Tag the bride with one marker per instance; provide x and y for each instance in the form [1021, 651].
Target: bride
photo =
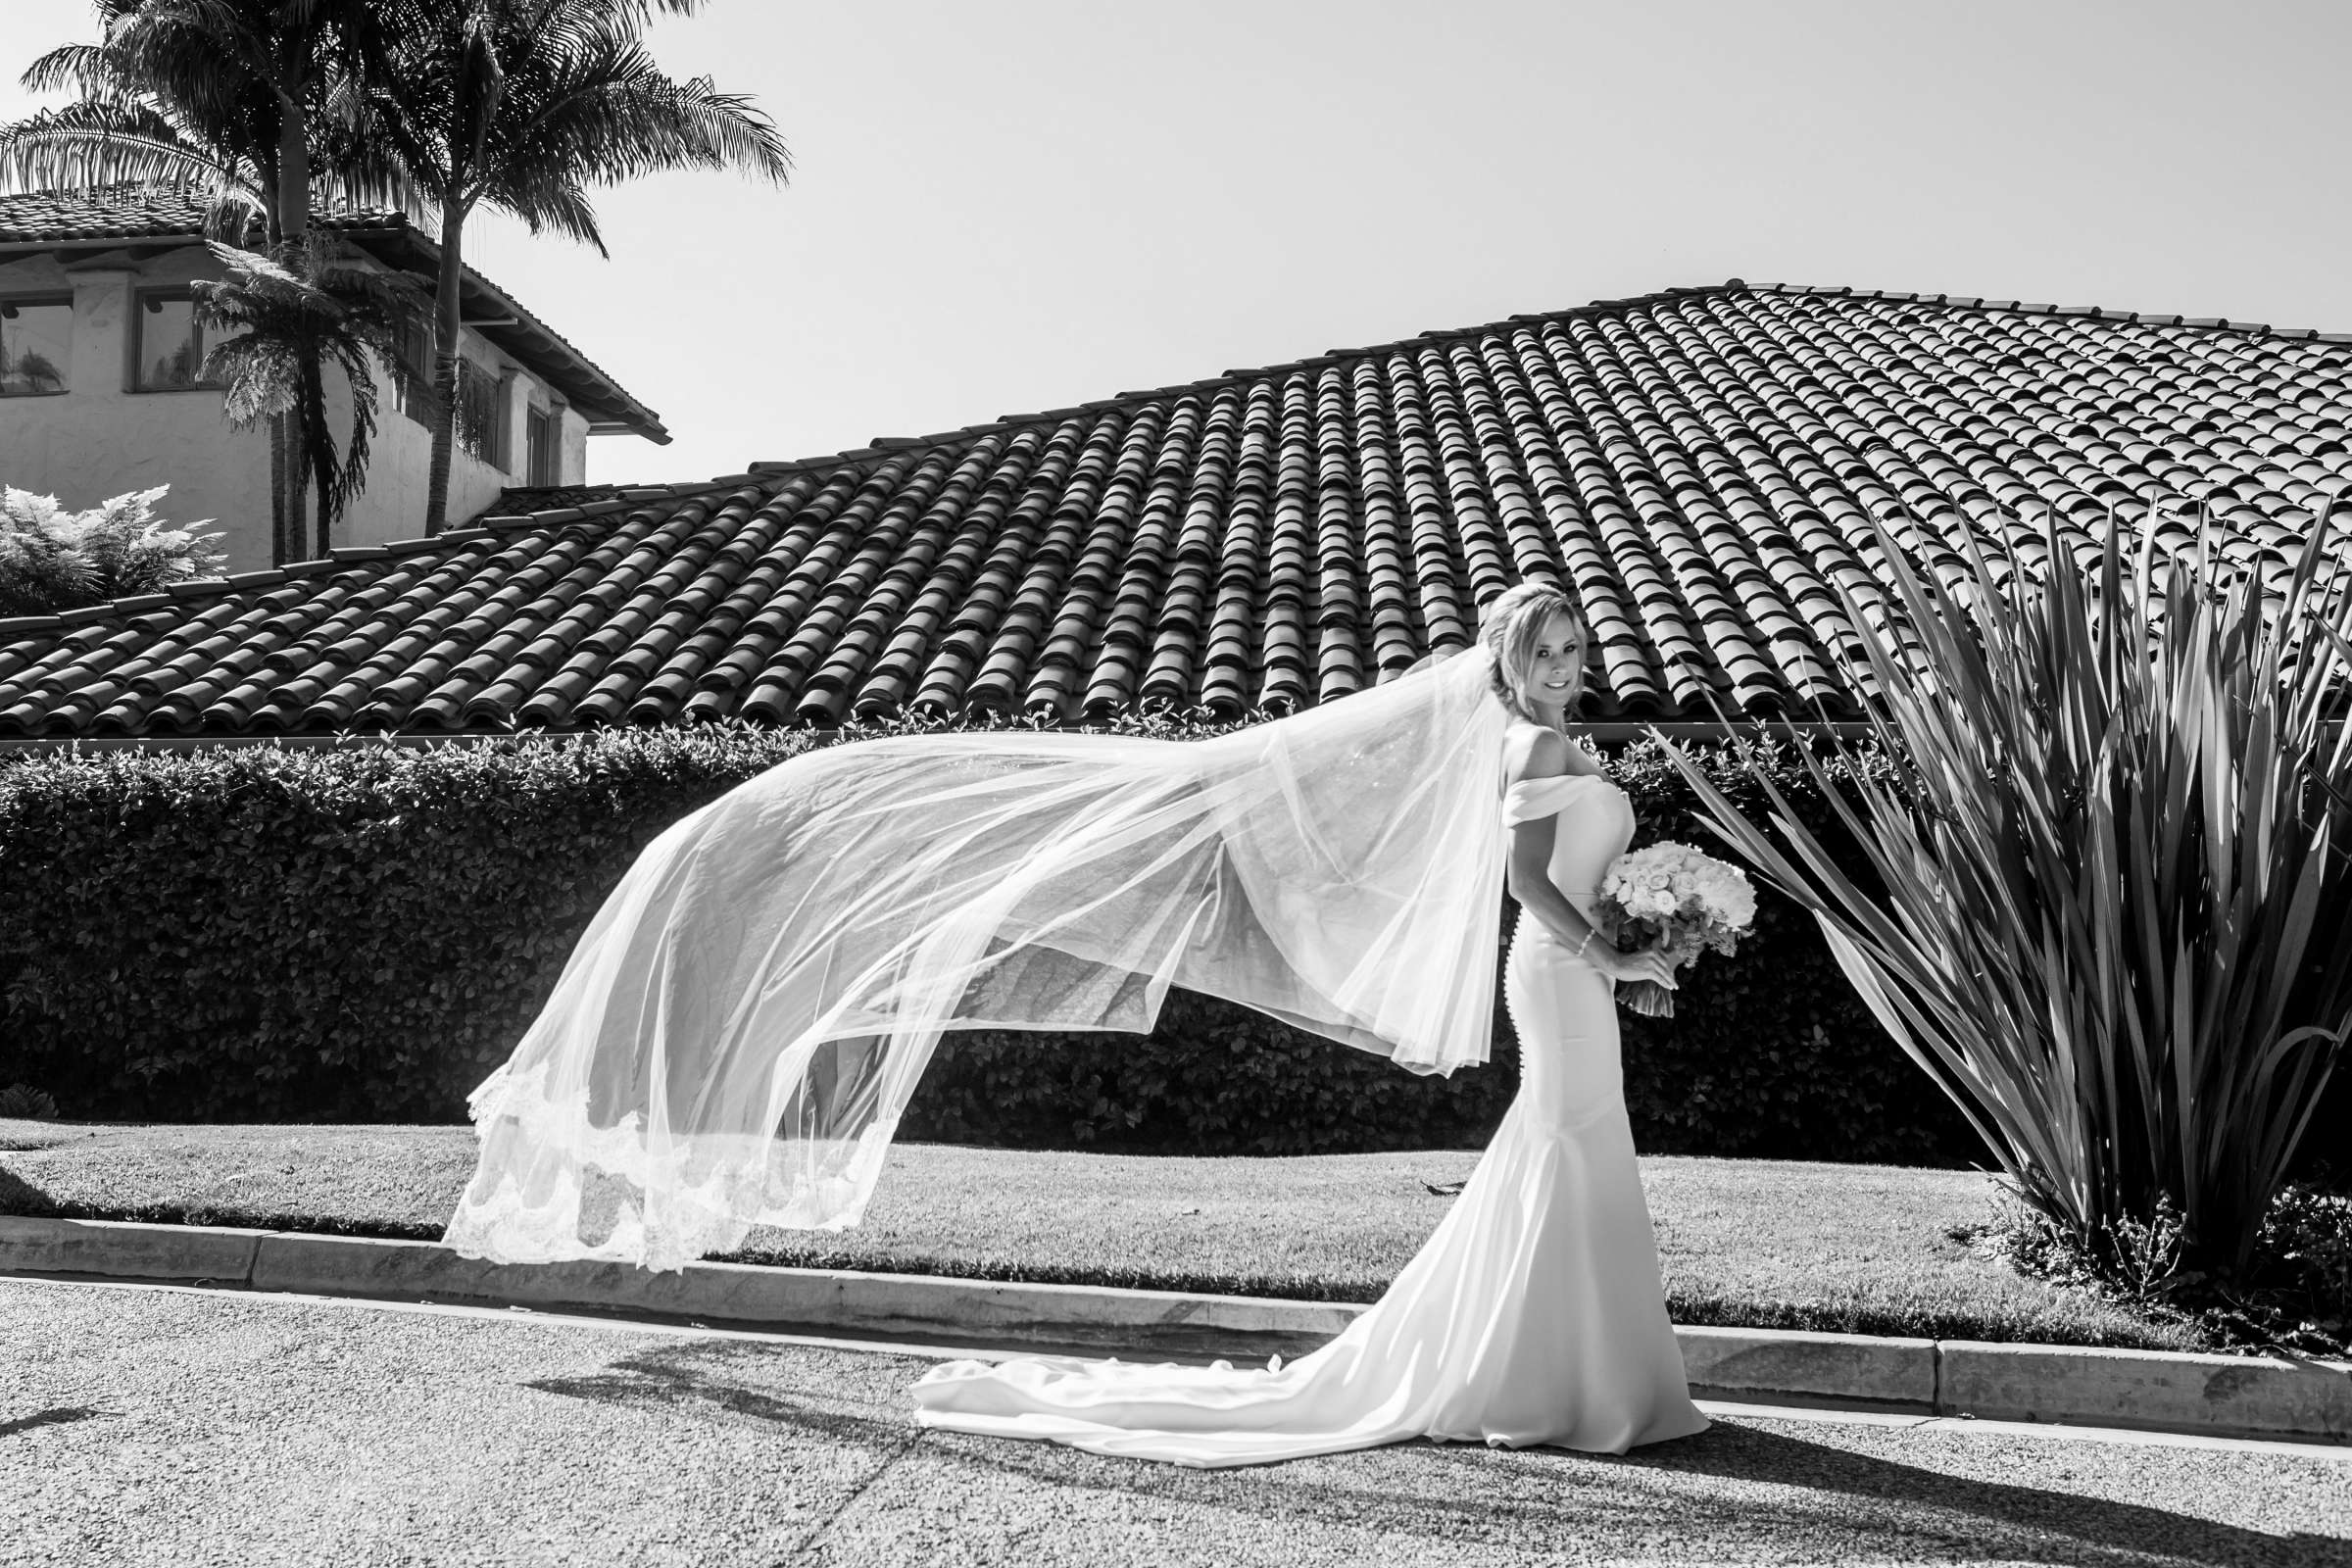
[737, 1033]
[1534, 1314]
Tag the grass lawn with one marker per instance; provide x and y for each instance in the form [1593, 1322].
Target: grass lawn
[1856, 1249]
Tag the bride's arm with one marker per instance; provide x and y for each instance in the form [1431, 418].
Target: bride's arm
[1546, 754]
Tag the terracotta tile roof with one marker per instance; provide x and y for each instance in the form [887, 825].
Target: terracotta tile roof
[40, 220]
[54, 217]
[1700, 465]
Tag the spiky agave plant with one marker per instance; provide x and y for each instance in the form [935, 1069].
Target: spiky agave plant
[2113, 905]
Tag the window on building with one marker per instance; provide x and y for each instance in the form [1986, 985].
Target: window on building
[36, 339]
[482, 414]
[413, 372]
[479, 425]
[543, 435]
[171, 342]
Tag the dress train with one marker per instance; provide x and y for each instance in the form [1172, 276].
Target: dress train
[1533, 1314]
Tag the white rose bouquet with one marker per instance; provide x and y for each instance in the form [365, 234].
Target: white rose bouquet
[1683, 902]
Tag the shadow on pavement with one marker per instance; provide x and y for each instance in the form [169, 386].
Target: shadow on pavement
[1734, 1481]
[60, 1416]
[1969, 1517]
[658, 1379]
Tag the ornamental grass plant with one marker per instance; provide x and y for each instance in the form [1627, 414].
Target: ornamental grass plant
[2107, 904]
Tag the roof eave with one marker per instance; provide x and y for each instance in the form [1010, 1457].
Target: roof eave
[608, 407]
[598, 396]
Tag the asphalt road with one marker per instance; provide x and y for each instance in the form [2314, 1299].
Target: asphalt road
[146, 1426]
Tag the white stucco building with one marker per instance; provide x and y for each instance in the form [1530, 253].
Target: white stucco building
[99, 348]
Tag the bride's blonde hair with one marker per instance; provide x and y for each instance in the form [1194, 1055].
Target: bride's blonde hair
[1511, 625]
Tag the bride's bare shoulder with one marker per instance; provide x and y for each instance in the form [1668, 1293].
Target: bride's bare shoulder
[1535, 750]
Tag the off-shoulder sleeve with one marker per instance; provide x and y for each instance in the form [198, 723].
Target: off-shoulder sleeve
[1532, 798]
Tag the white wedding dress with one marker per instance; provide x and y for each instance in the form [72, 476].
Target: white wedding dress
[1533, 1314]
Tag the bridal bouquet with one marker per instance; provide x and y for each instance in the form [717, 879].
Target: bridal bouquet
[1669, 895]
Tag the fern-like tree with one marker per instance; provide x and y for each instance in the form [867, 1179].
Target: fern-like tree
[252, 105]
[53, 560]
[524, 106]
[305, 306]
[2107, 902]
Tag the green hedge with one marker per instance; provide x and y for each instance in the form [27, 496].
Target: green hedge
[360, 932]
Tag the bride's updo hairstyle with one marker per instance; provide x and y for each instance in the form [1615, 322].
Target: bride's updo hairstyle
[1511, 627]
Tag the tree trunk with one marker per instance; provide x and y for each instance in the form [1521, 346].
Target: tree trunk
[280, 550]
[320, 451]
[293, 171]
[298, 464]
[445, 366]
[293, 222]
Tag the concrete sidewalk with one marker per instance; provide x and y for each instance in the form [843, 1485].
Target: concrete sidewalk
[2261, 1396]
[159, 1426]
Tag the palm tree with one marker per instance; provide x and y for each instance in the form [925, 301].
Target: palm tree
[524, 105]
[235, 100]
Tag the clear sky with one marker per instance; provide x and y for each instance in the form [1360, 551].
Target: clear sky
[1014, 205]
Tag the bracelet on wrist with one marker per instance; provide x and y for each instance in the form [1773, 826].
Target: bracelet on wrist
[1582, 946]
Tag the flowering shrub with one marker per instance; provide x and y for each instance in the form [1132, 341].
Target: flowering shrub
[2294, 1296]
[362, 933]
[26, 1104]
[2309, 1232]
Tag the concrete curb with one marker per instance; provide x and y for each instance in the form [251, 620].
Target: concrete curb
[839, 1301]
[2261, 1396]
[127, 1251]
[2244, 1396]
[1760, 1366]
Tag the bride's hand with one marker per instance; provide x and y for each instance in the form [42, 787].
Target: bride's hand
[1623, 967]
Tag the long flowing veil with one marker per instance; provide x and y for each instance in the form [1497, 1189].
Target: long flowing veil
[736, 1035]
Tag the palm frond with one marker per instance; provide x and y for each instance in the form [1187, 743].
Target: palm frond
[71, 67]
[83, 147]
